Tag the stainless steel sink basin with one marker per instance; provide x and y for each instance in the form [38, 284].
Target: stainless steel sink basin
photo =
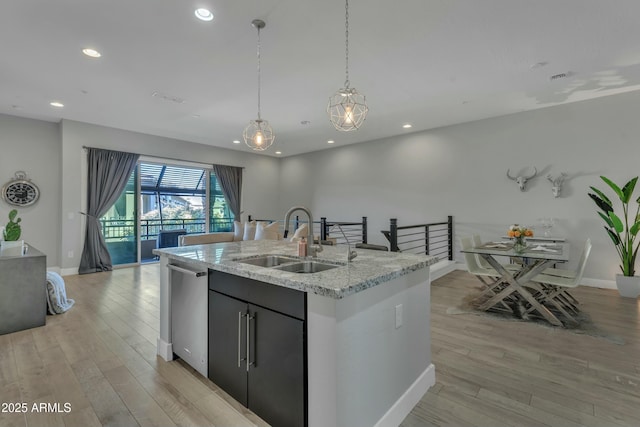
[306, 267]
[267, 260]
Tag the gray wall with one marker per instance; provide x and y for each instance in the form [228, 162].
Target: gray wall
[52, 155]
[460, 171]
[33, 146]
[260, 178]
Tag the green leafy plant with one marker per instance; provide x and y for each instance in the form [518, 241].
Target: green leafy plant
[622, 230]
[13, 229]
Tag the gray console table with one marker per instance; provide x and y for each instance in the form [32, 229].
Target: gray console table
[23, 297]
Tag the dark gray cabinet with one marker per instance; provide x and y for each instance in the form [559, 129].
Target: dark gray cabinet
[23, 291]
[257, 347]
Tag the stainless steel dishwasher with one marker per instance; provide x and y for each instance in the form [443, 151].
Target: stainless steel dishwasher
[189, 305]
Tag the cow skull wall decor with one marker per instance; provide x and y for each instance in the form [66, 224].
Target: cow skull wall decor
[521, 180]
[556, 184]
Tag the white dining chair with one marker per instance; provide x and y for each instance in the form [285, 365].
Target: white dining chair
[557, 282]
[477, 241]
[488, 276]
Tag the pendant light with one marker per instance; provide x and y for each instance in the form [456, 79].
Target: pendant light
[258, 134]
[347, 108]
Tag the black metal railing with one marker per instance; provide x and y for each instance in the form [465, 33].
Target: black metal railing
[356, 232]
[122, 229]
[435, 239]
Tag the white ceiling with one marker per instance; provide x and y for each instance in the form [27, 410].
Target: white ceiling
[430, 63]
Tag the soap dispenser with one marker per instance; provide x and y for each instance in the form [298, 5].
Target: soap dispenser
[302, 247]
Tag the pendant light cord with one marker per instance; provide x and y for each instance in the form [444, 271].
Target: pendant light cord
[346, 43]
[259, 118]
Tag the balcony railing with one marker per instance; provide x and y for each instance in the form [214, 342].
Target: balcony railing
[119, 229]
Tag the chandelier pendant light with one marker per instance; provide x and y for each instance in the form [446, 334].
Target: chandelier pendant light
[347, 107]
[258, 135]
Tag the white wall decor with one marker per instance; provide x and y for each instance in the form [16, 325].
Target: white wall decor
[556, 183]
[521, 180]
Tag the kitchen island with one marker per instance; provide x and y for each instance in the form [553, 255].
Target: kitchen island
[367, 358]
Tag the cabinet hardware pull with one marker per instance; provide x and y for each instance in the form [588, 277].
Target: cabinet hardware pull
[186, 271]
[240, 316]
[249, 319]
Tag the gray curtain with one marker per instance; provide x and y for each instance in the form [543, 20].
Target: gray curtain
[230, 179]
[108, 174]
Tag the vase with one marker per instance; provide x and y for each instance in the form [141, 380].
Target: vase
[628, 286]
[519, 244]
[12, 248]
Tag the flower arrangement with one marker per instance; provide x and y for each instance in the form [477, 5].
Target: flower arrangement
[518, 233]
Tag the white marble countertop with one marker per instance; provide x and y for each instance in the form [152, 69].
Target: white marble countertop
[370, 268]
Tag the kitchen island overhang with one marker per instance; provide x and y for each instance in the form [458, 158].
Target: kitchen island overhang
[368, 339]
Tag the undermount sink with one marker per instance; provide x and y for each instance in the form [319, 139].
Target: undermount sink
[306, 267]
[267, 260]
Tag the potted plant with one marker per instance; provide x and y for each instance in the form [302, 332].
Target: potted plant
[623, 231]
[11, 233]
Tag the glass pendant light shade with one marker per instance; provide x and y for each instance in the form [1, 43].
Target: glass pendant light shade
[258, 135]
[347, 109]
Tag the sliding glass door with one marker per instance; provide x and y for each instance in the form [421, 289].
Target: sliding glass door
[162, 200]
[119, 225]
[220, 217]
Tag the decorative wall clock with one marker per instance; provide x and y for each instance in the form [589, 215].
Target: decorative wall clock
[20, 191]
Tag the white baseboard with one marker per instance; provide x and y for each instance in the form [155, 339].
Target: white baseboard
[442, 268]
[68, 271]
[586, 281]
[165, 350]
[409, 399]
[55, 269]
[599, 283]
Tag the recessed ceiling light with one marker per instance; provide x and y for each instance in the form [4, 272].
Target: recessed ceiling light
[56, 104]
[204, 14]
[91, 52]
[331, 141]
[278, 152]
[236, 142]
[407, 125]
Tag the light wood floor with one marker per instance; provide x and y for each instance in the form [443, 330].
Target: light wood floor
[101, 358]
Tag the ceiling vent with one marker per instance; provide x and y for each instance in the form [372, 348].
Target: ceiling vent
[560, 76]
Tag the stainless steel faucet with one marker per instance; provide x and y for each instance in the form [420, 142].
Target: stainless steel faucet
[350, 254]
[312, 249]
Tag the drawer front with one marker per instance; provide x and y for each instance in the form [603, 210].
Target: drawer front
[283, 300]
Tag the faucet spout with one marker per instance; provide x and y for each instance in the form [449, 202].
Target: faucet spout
[311, 248]
[350, 254]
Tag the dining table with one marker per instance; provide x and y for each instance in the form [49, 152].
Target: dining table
[512, 283]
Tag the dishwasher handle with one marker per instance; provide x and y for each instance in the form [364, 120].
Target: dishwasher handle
[186, 271]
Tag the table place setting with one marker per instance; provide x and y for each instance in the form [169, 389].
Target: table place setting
[497, 245]
[545, 248]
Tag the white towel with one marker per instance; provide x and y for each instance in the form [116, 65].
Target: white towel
[57, 300]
